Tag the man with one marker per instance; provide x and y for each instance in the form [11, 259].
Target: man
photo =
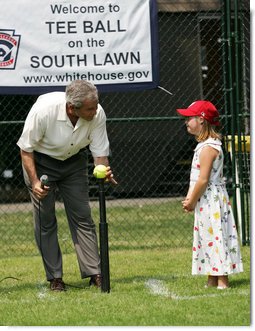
[57, 130]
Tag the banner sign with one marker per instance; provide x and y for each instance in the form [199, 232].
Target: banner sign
[44, 45]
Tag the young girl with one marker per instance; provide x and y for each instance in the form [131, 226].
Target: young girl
[216, 250]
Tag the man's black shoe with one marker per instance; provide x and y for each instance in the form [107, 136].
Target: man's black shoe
[95, 280]
[57, 284]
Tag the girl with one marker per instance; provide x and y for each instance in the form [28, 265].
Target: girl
[216, 250]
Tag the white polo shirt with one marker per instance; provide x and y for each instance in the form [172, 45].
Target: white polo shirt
[48, 130]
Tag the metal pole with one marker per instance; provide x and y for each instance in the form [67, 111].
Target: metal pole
[239, 118]
[231, 100]
[103, 233]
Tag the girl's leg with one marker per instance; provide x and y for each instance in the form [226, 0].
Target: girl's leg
[212, 281]
[223, 282]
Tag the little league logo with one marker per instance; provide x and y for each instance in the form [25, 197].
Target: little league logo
[9, 46]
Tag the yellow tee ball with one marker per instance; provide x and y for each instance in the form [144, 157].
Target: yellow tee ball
[100, 171]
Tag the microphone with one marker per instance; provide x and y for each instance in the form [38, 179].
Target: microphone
[44, 180]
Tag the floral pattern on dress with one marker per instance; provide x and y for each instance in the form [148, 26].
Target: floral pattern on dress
[216, 249]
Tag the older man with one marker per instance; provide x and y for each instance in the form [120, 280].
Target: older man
[57, 131]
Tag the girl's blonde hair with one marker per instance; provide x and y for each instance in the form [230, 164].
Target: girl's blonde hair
[208, 131]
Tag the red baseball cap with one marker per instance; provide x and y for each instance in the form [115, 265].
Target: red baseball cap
[204, 109]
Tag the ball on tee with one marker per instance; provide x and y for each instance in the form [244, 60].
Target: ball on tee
[100, 171]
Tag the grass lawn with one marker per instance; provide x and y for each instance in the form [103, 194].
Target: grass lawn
[149, 287]
[139, 224]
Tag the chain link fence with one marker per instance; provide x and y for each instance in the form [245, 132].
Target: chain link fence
[204, 54]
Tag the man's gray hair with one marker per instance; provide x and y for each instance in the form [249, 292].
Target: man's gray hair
[80, 90]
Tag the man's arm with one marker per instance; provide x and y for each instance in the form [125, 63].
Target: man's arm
[104, 160]
[101, 160]
[29, 165]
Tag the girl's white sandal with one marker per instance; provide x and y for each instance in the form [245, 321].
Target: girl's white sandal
[222, 287]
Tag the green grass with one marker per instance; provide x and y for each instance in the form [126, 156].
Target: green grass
[150, 264]
[149, 287]
[146, 224]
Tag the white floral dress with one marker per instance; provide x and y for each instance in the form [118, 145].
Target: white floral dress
[216, 249]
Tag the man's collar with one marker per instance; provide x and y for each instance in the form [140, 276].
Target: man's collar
[62, 115]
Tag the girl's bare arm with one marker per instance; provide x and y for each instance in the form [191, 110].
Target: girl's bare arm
[207, 157]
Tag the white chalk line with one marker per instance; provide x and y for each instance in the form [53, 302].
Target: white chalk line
[42, 294]
[157, 287]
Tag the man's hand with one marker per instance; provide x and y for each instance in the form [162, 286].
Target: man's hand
[39, 191]
[109, 176]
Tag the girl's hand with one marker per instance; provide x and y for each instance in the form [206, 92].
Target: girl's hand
[187, 205]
